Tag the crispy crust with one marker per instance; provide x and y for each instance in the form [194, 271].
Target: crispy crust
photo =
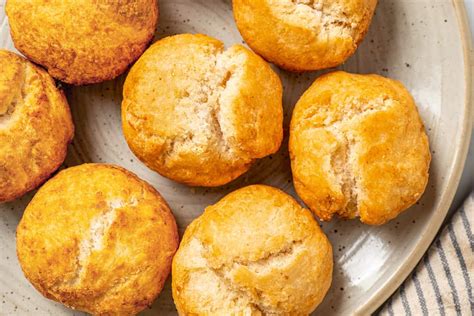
[82, 42]
[35, 126]
[98, 239]
[255, 252]
[199, 114]
[304, 35]
[358, 148]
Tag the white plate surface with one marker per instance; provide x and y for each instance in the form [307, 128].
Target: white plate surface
[419, 42]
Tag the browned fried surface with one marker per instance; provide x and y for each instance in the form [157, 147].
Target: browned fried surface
[199, 114]
[35, 126]
[358, 148]
[255, 252]
[98, 239]
[302, 35]
[85, 41]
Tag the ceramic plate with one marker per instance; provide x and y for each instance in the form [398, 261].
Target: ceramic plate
[422, 43]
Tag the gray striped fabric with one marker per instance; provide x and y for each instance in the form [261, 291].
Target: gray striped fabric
[442, 282]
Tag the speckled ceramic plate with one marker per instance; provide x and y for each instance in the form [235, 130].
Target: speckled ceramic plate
[422, 43]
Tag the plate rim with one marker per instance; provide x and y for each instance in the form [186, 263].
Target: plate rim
[391, 284]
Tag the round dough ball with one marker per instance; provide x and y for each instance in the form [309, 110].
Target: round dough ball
[82, 42]
[35, 126]
[304, 35]
[255, 252]
[358, 148]
[98, 239]
[199, 114]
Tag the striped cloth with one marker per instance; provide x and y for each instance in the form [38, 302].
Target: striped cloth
[442, 282]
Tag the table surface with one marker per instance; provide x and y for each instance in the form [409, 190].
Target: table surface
[467, 181]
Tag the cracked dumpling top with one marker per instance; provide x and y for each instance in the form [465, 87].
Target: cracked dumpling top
[82, 42]
[255, 252]
[199, 114]
[358, 148]
[35, 126]
[304, 35]
[98, 239]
